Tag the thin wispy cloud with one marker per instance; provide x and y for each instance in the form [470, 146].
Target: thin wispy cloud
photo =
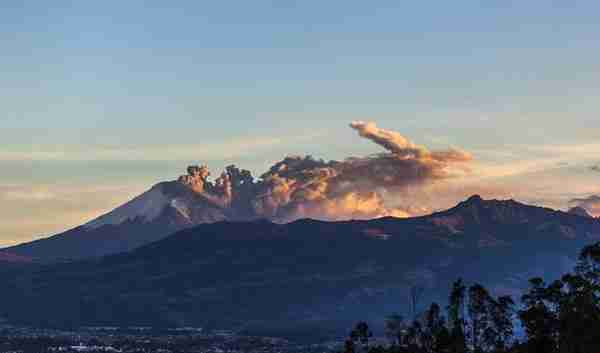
[234, 148]
[23, 193]
[34, 211]
[526, 159]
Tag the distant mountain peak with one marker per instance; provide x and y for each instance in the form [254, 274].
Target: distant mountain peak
[475, 199]
[580, 211]
[479, 202]
[476, 210]
[147, 207]
[474, 203]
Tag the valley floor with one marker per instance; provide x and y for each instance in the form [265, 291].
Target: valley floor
[139, 339]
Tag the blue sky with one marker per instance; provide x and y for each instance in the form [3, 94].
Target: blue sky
[114, 96]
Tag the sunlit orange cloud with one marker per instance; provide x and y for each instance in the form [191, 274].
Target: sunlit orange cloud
[352, 188]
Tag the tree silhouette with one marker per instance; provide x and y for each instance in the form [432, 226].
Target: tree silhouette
[416, 292]
[361, 334]
[479, 301]
[560, 317]
[394, 327]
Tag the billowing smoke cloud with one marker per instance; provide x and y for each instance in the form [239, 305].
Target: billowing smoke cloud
[590, 204]
[356, 188]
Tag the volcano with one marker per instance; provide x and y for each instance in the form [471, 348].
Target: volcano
[291, 189]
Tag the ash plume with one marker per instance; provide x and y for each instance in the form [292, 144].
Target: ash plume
[355, 188]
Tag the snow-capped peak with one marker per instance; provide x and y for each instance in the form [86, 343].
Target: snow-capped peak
[146, 206]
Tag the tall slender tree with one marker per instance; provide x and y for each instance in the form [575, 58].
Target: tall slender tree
[500, 327]
[394, 327]
[538, 319]
[415, 294]
[456, 318]
[361, 334]
[479, 299]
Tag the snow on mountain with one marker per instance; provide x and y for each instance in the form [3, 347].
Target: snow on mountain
[182, 208]
[147, 206]
[166, 203]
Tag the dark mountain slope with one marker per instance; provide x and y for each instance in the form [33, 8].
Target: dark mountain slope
[164, 209]
[265, 276]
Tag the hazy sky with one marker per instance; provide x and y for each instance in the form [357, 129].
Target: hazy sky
[101, 99]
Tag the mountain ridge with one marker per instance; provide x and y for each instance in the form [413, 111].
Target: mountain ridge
[117, 231]
[260, 275]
